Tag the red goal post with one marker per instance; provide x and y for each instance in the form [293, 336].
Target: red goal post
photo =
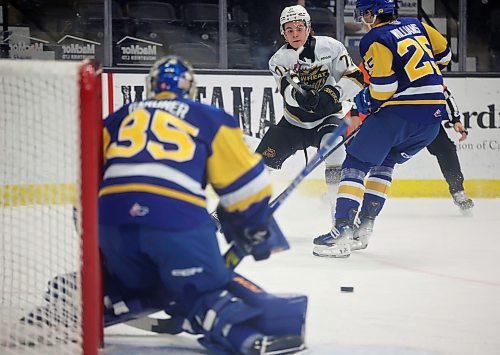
[50, 155]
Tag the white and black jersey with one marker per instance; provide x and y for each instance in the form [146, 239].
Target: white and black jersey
[323, 61]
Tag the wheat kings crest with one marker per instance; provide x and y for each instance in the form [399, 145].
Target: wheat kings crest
[323, 61]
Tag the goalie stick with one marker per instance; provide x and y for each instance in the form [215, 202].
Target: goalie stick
[234, 255]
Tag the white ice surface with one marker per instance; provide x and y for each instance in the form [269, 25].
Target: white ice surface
[429, 283]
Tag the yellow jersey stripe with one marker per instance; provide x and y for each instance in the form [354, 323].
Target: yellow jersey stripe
[414, 102]
[157, 190]
[243, 204]
[381, 95]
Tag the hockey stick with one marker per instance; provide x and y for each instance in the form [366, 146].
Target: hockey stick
[314, 164]
[234, 255]
[294, 84]
[323, 153]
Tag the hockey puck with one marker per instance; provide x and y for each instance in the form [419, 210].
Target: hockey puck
[346, 289]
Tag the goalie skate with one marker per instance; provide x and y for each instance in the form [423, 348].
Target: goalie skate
[274, 345]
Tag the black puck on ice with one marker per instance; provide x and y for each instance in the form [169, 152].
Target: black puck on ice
[346, 289]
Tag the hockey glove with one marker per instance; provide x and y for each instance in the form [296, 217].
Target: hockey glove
[308, 99]
[329, 101]
[363, 100]
[250, 240]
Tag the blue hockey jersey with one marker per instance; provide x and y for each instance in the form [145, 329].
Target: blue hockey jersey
[403, 58]
[159, 156]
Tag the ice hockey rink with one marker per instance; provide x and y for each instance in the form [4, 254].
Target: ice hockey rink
[429, 283]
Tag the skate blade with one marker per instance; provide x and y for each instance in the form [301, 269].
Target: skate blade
[332, 251]
[359, 246]
[339, 256]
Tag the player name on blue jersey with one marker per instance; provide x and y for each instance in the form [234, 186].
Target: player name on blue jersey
[406, 30]
[177, 108]
[161, 153]
[404, 59]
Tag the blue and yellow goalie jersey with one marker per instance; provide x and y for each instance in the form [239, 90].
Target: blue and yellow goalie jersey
[403, 58]
[159, 156]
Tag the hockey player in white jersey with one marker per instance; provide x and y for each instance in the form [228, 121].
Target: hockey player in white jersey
[327, 76]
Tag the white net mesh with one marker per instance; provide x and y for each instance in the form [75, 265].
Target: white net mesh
[40, 248]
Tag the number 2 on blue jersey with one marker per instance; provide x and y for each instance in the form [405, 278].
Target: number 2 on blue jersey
[416, 67]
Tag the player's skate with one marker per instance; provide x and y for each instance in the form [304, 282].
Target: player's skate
[337, 242]
[363, 227]
[362, 232]
[463, 202]
[277, 345]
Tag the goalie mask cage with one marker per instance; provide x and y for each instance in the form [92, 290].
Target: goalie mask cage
[50, 147]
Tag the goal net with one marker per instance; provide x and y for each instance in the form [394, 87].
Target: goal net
[50, 114]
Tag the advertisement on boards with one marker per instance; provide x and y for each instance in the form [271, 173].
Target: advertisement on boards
[254, 101]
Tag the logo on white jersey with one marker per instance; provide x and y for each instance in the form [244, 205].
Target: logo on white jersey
[315, 76]
[138, 211]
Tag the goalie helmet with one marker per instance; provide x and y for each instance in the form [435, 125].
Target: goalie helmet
[171, 74]
[377, 7]
[294, 13]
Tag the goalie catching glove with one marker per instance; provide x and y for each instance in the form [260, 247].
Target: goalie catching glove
[324, 102]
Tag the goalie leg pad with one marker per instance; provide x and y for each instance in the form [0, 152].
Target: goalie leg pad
[122, 304]
[223, 320]
[281, 314]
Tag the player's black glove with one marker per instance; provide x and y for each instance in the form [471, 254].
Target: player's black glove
[308, 99]
[329, 101]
